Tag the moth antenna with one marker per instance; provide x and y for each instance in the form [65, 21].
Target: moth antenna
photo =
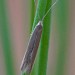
[49, 9]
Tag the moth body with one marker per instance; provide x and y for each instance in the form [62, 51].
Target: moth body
[29, 57]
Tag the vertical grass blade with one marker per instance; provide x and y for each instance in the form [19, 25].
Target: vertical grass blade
[42, 8]
[5, 33]
[32, 13]
[43, 54]
[62, 27]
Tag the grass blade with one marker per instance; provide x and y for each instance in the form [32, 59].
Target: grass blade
[42, 56]
[62, 28]
[6, 39]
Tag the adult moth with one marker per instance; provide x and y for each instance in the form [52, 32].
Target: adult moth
[30, 54]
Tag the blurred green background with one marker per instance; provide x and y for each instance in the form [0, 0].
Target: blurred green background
[15, 21]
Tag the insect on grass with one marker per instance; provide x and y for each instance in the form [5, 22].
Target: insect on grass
[29, 57]
[30, 54]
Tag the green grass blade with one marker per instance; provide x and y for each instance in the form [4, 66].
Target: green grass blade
[40, 66]
[6, 39]
[32, 13]
[43, 54]
[41, 6]
[62, 21]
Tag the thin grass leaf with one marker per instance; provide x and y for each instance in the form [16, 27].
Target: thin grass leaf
[41, 6]
[6, 41]
[43, 54]
[62, 28]
[32, 13]
[40, 66]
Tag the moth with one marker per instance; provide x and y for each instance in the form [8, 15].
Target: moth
[29, 57]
